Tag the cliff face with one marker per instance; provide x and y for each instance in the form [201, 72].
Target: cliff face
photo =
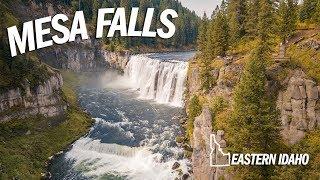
[45, 99]
[201, 146]
[298, 102]
[299, 106]
[84, 56]
[226, 78]
[116, 60]
[201, 149]
[78, 56]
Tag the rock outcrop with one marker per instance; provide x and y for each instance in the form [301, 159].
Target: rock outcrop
[201, 148]
[225, 78]
[84, 55]
[299, 105]
[117, 60]
[45, 99]
[219, 156]
[78, 56]
[310, 44]
[194, 81]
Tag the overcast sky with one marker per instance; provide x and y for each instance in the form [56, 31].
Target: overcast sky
[200, 6]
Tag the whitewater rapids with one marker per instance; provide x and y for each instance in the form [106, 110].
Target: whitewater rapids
[131, 138]
[96, 159]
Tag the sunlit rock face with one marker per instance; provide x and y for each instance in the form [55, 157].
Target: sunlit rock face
[78, 56]
[202, 152]
[45, 99]
[299, 106]
[116, 60]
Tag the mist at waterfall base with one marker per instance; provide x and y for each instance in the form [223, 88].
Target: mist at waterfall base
[136, 122]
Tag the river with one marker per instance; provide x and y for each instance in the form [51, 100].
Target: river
[136, 123]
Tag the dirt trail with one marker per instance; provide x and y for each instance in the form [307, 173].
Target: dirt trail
[301, 35]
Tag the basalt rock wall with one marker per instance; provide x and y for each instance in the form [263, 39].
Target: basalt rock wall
[45, 99]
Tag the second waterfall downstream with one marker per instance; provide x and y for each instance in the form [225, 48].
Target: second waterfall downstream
[136, 123]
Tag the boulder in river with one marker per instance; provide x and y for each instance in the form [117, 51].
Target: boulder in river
[175, 165]
[185, 176]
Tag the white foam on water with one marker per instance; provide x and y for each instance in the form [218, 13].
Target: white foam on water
[154, 79]
[130, 162]
[117, 125]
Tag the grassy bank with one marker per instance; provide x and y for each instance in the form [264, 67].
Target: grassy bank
[26, 144]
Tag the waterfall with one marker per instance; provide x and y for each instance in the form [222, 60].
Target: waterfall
[131, 139]
[159, 80]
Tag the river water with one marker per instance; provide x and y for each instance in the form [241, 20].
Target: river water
[136, 123]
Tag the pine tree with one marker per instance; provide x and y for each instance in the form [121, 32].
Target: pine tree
[316, 15]
[252, 18]
[210, 46]
[266, 22]
[237, 14]
[126, 41]
[95, 6]
[208, 54]
[288, 19]
[254, 122]
[308, 9]
[194, 110]
[202, 36]
[292, 14]
[217, 36]
[220, 34]
[216, 43]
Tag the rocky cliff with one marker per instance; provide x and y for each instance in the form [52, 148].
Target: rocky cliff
[45, 99]
[116, 60]
[226, 78]
[299, 104]
[297, 98]
[203, 153]
[78, 56]
[84, 56]
[201, 146]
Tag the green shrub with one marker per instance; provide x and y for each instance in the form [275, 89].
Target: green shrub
[26, 144]
[217, 105]
[310, 145]
[307, 59]
[194, 110]
[180, 139]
